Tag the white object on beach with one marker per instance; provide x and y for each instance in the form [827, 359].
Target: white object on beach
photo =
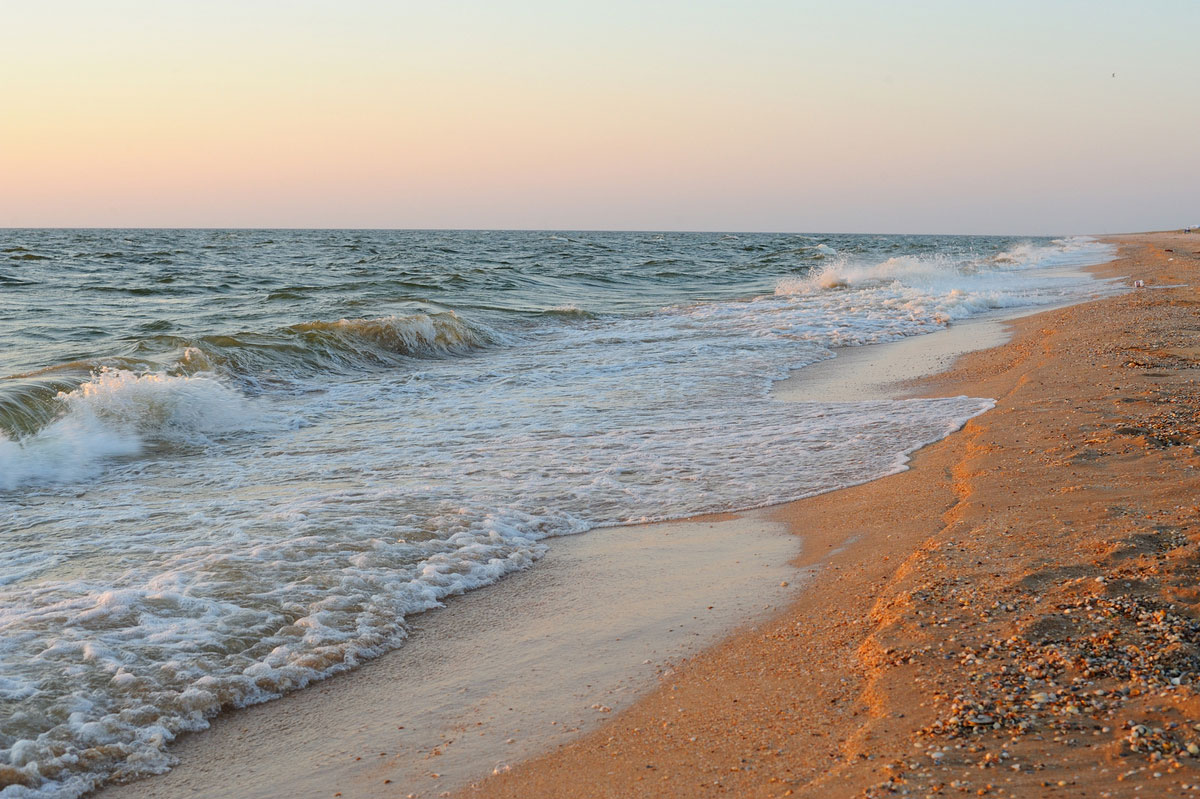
[1137, 284]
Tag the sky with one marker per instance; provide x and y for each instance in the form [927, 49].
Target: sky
[847, 116]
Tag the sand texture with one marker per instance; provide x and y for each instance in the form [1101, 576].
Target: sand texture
[1014, 616]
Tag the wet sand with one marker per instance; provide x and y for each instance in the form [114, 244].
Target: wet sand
[892, 370]
[1016, 615]
[502, 673]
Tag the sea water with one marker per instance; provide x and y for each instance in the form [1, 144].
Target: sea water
[233, 462]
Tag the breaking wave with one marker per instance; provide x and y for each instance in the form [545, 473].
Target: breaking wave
[343, 345]
[118, 413]
[418, 336]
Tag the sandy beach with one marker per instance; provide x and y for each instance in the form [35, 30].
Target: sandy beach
[1010, 616]
[1014, 617]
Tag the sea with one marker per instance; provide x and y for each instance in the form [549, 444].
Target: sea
[235, 462]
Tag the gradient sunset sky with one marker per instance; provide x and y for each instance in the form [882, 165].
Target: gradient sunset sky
[922, 117]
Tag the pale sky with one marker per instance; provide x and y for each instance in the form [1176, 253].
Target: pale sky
[921, 117]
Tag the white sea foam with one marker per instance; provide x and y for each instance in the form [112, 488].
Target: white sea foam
[910, 294]
[115, 414]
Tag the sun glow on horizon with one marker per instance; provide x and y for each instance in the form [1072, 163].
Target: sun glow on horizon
[773, 116]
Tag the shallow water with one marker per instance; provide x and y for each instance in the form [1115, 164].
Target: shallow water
[233, 462]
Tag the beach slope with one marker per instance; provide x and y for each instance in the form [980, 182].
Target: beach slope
[1013, 616]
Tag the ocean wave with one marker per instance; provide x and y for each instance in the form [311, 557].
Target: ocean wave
[1069, 251]
[292, 352]
[309, 347]
[424, 335]
[177, 390]
[851, 302]
[898, 270]
[568, 312]
[117, 413]
[935, 271]
[30, 403]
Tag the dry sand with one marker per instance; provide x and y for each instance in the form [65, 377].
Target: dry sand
[985, 622]
[1015, 616]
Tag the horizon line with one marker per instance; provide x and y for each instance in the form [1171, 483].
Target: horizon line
[554, 230]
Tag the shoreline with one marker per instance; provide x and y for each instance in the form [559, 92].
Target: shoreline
[421, 732]
[264, 757]
[1016, 616]
[894, 369]
[508, 671]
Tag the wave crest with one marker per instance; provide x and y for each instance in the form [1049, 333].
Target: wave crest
[940, 273]
[420, 335]
[310, 347]
[115, 414]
